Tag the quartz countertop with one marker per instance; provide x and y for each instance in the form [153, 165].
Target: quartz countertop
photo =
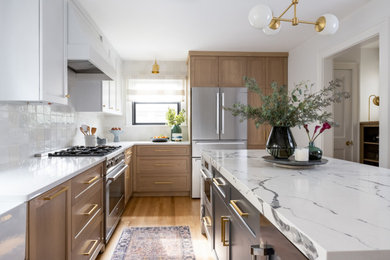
[25, 180]
[336, 211]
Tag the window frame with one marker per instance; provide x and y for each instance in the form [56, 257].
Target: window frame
[134, 118]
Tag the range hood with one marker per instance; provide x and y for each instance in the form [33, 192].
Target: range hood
[83, 66]
[83, 58]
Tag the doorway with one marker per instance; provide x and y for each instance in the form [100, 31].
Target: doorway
[357, 69]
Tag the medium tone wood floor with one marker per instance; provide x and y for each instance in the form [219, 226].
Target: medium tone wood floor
[163, 211]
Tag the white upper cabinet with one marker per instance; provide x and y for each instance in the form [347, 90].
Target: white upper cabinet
[33, 50]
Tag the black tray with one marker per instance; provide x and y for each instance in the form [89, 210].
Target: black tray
[160, 140]
[291, 163]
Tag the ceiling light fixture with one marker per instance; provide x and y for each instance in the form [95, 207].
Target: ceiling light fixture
[155, 68]
[261, 17]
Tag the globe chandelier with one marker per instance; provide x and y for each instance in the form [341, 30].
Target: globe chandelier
[261, 17]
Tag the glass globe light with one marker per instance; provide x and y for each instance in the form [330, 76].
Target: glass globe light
[269, 31]
[327, 24]
[260, 16]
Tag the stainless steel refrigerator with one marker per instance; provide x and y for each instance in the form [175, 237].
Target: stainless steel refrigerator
[212, 126]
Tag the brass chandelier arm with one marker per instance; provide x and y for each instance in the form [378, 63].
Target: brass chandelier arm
[288, 8]
[306, 22]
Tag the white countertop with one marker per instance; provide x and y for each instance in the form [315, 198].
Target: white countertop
[22, 181]
[336, 211]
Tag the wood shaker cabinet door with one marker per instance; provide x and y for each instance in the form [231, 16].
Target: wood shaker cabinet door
[231, 71]
[257, 69]
[276, 71]
[50, 224]
[204, 71]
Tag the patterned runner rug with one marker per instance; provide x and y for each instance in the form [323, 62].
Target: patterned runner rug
[160, 243]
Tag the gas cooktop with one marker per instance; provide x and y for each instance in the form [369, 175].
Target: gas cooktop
[85, 151]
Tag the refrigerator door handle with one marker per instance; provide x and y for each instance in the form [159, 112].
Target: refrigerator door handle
[217, 113]
[223, 113]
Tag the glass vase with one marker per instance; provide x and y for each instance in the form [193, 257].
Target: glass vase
[315, 153]
[281, 143]
[176, 134]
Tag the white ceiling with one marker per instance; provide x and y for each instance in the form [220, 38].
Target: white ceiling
[167, 30]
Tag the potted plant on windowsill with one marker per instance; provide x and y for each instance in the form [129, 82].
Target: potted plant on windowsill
[283, 110]
[175, 120]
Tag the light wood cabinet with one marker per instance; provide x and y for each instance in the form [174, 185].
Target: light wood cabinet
[162, 170]
[204, 71]
[128, 175]
[265, 70]
[49, 224]
[231, 71]
[33, 46]
[67, 221]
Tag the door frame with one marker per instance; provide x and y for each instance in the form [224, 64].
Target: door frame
[325, 74]
[354, 67]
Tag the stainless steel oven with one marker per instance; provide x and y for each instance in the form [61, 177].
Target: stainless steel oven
[114, 193]
[206, 200]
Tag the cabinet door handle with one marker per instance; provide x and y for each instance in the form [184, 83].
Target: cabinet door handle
[91, 210]
[67, 95]
[58, 193]
[237, 208]
[224, 220]
[217, 182]
[207, 221]
[163, 182]
[92, 180]
[92, 247]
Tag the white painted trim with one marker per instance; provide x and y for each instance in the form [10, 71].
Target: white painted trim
[354, 67]
[323, 70]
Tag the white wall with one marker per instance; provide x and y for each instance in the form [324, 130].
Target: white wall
[369, 82]
[139, 132]
[307, 61]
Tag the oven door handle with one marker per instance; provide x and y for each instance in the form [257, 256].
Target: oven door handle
[204, 175]
[116, 176]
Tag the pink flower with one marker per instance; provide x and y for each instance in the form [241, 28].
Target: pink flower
[316, 128]
[306, 128]
[325, 126]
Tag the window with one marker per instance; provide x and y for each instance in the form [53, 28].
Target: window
[152, 113]
[151, 98]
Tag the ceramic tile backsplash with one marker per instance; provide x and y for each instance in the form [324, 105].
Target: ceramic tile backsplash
[30, 128]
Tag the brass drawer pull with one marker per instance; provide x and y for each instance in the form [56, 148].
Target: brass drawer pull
[239, 211]
[92, 180]
[207, 221]
[217, 181]
[163, 182]
[92, 247]
[163, 164]
[162, 150]
[58, 193]
[92, 210]
[224, 220]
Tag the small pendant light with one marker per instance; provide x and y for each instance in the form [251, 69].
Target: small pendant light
[155, 68]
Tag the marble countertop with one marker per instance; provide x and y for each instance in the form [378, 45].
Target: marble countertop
[24, 180]
[336, 211]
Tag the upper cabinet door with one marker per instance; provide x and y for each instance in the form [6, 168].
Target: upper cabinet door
[231, 71]
[204, 71]
[276, 71]
[53, 51]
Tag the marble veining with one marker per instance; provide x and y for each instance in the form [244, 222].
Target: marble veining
[340, 210]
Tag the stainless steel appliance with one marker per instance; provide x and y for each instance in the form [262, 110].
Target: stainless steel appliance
[114, 192]
[213, 127]
[85, 151]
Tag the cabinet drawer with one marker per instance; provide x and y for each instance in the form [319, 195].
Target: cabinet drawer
[87, 206]
[89, 242]
[163, 150]
[244, 211]
[156, 184]
[85, 181]
[158, 165]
